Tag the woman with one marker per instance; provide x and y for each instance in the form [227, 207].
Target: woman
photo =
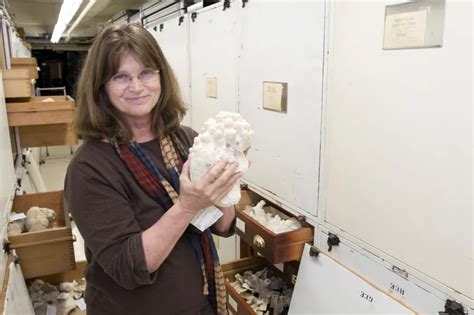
[129, 190]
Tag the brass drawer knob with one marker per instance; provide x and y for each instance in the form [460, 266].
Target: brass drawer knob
[258, 241]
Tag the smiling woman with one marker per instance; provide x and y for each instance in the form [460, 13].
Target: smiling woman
[129, 188]
[134, 92]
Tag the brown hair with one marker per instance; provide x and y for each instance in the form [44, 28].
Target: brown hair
[95, 115]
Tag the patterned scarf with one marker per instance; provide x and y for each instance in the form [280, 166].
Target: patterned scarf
[166, 194]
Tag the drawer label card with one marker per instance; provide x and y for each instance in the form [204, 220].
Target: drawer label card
[232, 303]
[240, 225]
[81, 304]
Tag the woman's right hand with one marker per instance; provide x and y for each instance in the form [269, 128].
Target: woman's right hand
[209, 189]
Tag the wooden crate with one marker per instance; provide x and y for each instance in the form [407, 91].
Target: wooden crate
[277, 248]
[44, 252]
[17, 83]
[236, 304]
[29, 64]
[43, 123]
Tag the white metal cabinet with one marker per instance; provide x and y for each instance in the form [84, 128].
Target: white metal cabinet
[414, 293]
[282, 41]
[397, 154]
[325, 286]
[213, 57]
[172, 37]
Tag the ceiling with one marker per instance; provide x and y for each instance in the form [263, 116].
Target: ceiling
[38, 17]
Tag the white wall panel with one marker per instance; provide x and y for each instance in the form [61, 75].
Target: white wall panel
[283, 41]
[397, 154]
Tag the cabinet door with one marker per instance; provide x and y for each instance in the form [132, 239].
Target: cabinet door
[325, 286]
[397, 160]
[282, 41]
[213, 62]
[17, 297]
[173, 41]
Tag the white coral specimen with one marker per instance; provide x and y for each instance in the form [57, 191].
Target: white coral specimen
[225, 137]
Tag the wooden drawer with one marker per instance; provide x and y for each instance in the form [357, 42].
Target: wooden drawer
[43, 123]
[277, 248]
[34, 111]
[44, 252]
[17, 83]
[55, 279]
[236, 304]
[47, 135]
[26, 63]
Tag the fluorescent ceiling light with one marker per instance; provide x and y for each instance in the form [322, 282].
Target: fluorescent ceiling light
[80, 17]
[68, 10]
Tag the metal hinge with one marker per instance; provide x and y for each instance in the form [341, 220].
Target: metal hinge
[226, 5]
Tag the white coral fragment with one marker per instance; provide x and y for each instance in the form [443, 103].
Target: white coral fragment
[272, 218]
[223, 138]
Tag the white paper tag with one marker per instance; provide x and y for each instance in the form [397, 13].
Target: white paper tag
[240, 225]
[81, 304]
[233, 303]
[63, 295]
[206, 217]
[17, 216]
[50, 310]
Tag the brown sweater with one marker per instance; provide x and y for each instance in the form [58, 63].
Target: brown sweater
[111, 211]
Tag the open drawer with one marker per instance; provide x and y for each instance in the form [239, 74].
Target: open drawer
[43, 123]
[49, 251]
[15, 298]
[236, 303]
[275, 247]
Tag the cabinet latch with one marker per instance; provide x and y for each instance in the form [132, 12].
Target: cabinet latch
[244, 2]
[333, 240]
[313, 251]
[452, 308]
[181, 20]
[193, 16]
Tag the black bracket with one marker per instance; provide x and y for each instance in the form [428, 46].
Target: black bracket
[181, 20]
[452, 308]
[161, 27]
[226, 5]
[155, 28]
[244, 2]
[193, 16]
[333, 240]
[313, 251]
[6, 247]
[16, 260]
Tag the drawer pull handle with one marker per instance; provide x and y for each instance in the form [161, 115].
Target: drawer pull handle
[258, 241]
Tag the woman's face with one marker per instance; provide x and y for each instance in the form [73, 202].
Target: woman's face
[134, 90]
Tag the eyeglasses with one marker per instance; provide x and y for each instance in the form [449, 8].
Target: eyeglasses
[146, 76]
